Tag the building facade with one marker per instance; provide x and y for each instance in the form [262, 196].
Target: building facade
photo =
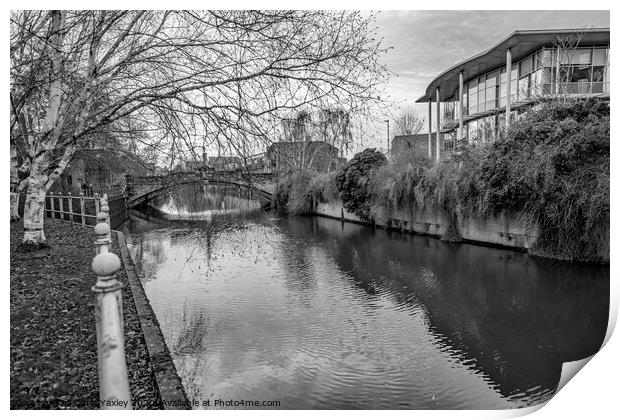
[475, 99]
[99, 169]
[286, 156]
[224, 163]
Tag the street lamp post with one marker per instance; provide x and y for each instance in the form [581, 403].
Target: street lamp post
[388, 136]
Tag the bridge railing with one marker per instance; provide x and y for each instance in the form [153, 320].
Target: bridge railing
[175, 177]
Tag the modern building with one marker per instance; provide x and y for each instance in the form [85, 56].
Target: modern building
[476, 98]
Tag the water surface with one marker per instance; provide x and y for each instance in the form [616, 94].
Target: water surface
[316, 313]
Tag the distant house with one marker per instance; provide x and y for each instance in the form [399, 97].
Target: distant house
[411, 144]
[99, 168]
[286, 156]
[224, 163]
[258, 163]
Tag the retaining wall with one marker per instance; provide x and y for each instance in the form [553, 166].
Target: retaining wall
[503, 229]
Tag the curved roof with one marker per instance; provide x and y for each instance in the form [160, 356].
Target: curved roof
[521, 44]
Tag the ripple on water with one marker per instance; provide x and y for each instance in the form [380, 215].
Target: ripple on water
[317, 316]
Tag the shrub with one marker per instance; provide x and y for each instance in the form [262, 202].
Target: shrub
[553, 167]
[353, 181]
[297, 192]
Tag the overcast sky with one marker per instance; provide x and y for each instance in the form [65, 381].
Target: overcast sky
[428, 42]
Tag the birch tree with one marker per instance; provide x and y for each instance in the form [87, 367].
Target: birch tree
[188, 76]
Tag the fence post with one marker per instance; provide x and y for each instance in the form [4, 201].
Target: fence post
[53, 212]
[61, 207]
[112, 366]
[70, 208]
[96, 203]
[106, 209]
[82, 212]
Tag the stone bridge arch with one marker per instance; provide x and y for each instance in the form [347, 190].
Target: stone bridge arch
[140, 190]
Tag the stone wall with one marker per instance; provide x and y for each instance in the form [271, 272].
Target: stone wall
[501, 230]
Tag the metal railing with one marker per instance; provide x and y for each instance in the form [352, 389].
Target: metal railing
[112, 367]
[73, 209]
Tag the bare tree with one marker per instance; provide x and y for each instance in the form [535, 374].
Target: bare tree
[336, 128]
[187, 77]
[408, 122]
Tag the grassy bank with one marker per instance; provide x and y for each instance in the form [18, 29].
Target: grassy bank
[53, 343]
[551, 169]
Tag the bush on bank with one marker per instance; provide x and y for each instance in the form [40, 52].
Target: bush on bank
[551, 169]
[354, 178]
[296, 192]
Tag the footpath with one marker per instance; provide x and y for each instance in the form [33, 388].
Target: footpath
[53, 342]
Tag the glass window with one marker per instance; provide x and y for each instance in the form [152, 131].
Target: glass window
[491, 79]
[536, 83]
[547, 84]
[491, 97]
[481, 82]
[524, 88]
[472, 97]
[575, 79]
[546, 59]
[579, 56]
[525, 66]
[465, 102]
[598, 79]
[599, 57]
[472, 130]
[537, 60]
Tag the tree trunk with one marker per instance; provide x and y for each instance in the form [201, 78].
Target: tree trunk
[39, 181]
[14, 206]
[34, 207]
[14, 182]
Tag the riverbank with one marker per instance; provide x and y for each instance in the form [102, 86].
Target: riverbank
[53, 342]
[503, 231]
[541, 185]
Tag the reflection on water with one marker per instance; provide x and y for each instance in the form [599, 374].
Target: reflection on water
[202, 202]
[316, 313]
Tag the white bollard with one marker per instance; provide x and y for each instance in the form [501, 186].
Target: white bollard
[113, 380]
[102, 230]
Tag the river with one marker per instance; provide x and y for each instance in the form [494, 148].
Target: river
[315, 313]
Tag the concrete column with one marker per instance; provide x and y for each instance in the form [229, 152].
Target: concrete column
[461, 107]
[430, 129]
[437, 138]
[508, 87]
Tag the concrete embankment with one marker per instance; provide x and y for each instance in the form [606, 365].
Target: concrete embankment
[503, 230]
[167, 380]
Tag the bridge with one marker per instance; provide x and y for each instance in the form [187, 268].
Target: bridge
[142, 189]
